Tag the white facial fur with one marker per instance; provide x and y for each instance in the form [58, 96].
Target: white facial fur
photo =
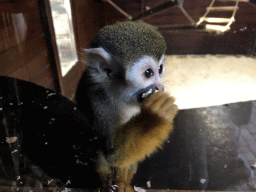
[136, 74]
[137, 80]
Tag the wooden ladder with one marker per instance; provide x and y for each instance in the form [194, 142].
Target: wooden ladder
[217, 24]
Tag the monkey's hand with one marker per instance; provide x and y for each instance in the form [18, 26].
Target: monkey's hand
[159, 106]
[146, 132]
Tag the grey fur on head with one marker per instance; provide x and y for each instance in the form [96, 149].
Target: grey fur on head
[129, 41]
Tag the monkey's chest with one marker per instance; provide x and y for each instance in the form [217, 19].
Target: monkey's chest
[127, 113]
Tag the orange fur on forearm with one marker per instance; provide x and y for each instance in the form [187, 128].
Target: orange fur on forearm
[139, 138]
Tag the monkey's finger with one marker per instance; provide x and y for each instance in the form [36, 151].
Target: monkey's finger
[167, 103]
[156, 99]
[171, 112]
[151, 99]
[163, 102]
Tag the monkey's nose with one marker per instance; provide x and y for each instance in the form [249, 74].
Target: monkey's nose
[160, 87]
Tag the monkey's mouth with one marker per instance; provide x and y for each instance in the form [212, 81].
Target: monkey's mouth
[146, 92]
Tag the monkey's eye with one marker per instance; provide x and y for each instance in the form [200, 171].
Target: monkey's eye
[149, 73]
[160, 69]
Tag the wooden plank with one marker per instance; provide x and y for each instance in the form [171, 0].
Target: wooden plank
[23, 48]
[18, 6]
[45, 78]
[197, 9]
[85, 31]
[8, 38]
[19, 21]
[51, 85]
[30, 70]
[236, 0]
[52, 44]
[18, 56]
[217, 20]
[233, 42]
[72, 79]
[227, 8]
[38, 71]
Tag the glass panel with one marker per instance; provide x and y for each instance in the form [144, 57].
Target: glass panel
[62, 21]
[47, 143]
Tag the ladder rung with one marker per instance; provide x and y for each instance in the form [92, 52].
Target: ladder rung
[217, 28]
[236, 0]
[217, 20]
[228, 8]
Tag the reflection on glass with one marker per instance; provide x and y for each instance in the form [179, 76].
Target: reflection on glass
[62, 21]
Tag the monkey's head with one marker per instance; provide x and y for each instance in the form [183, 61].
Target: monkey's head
[127, 60]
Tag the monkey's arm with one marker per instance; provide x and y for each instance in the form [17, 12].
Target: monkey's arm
[143, 134]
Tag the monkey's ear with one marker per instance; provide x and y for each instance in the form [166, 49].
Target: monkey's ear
[161, 60]
[101, 59]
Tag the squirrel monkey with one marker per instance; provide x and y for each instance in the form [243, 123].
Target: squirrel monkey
[125, 67]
